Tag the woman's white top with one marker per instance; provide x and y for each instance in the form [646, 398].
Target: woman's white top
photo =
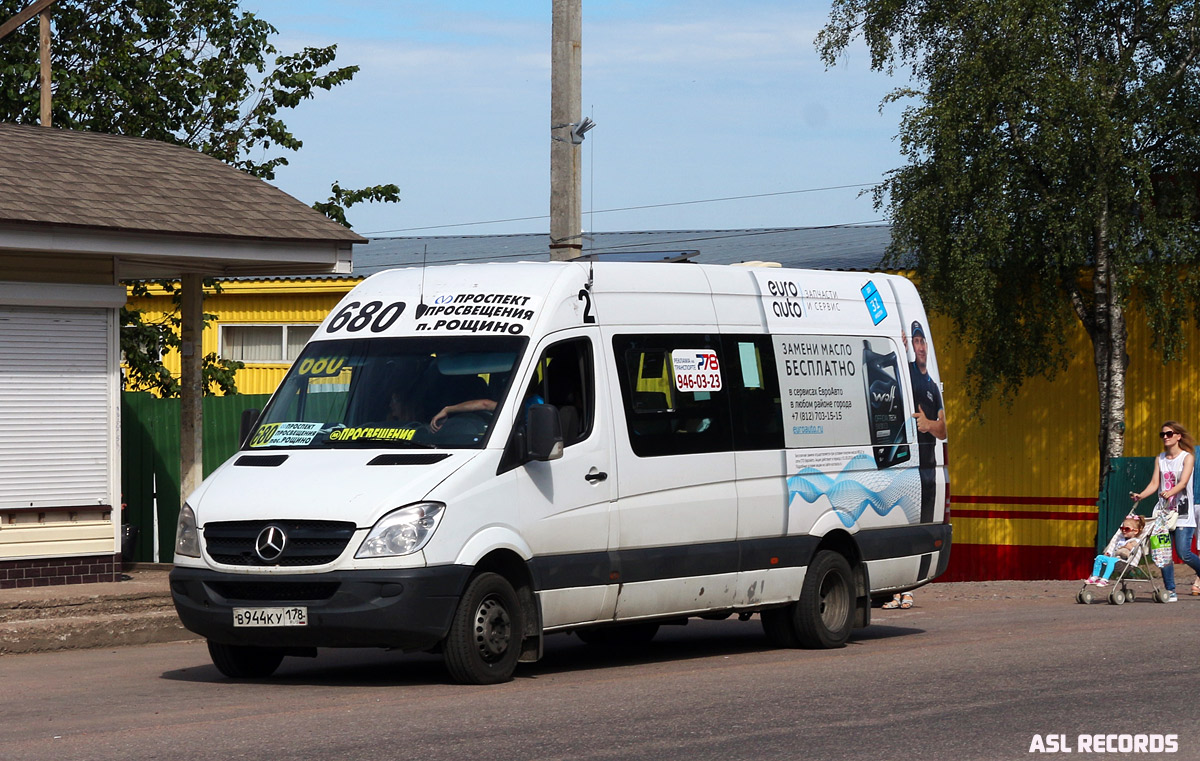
[1171, 470]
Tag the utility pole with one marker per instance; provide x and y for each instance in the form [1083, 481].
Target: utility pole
[191, 390]
[566, 74]
[44, 61]
[40, 8]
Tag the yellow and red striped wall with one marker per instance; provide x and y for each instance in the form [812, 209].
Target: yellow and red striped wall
[1025, 475]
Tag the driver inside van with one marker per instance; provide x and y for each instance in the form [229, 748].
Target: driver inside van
[471, 405]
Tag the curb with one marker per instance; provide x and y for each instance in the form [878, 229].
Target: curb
[135, 611]
[85, 632]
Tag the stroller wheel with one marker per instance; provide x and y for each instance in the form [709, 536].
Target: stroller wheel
[1079, 597]
[1116, 597]
[1128, 595]
[1086, 596]
[1159, 596]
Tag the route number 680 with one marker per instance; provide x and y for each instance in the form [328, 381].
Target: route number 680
[355, 316]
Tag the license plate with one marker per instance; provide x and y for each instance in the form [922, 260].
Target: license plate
[294, 616]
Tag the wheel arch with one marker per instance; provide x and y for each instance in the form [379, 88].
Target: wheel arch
[508, 563]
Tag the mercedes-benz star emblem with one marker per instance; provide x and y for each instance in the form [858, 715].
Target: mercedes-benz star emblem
[270, 543]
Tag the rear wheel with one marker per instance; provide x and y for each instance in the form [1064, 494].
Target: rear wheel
[484, 642]
[824, 615]
[244, 661]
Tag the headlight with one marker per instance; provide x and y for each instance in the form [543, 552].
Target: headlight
[403, 531]
[187, 536]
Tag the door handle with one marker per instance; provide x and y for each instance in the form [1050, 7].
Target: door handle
[596, 477]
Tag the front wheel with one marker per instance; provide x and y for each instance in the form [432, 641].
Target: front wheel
[244, 661]
[484, 642]
[824, 615]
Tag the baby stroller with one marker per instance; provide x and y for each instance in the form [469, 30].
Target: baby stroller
[1138, 568]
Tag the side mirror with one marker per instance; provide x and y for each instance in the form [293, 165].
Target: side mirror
[543, 433]
[249, 418]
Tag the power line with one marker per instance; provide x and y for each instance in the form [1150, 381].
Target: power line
[629, 208]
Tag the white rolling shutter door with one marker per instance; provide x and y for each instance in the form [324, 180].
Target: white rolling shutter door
[55, 407]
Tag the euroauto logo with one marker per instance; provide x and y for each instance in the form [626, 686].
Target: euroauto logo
[786, 299]
[1104, 744]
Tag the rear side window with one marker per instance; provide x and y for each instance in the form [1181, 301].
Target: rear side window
[674, 391]
[752, 382]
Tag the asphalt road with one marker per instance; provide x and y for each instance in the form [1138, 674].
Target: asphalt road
[972, 672]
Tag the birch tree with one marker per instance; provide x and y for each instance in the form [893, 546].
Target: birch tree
[1052, 154]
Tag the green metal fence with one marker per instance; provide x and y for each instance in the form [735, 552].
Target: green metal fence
[1128, 474]
[150, 460]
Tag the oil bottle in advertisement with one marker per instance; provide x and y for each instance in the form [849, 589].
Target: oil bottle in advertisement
[885, 407]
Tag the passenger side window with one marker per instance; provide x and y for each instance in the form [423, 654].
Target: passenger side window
[674, 393]
[564, 377]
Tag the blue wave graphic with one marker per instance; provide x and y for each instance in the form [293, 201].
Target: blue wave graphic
[860, 486]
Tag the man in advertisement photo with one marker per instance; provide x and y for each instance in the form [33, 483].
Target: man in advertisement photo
[930, 416]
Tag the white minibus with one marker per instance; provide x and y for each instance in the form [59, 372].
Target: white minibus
[465, 459]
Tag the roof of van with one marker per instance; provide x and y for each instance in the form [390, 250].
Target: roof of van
[831, 248]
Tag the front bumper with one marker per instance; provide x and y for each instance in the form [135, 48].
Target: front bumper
[409, 609]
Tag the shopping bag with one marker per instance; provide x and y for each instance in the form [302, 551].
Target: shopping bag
[1160, 549]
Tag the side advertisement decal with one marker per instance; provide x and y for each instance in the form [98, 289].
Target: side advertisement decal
[797, 301]
[859, 492]
[842, 391]
[846, 429]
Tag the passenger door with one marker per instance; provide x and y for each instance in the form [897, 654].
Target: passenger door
[565, 503]
[677, 507]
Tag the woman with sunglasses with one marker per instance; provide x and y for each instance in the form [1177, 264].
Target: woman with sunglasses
[1172, 480]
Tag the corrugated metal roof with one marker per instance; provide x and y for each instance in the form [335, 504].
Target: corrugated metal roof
[833, 248]
[822, 248]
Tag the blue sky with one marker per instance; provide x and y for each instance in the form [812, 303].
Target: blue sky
[693, 100]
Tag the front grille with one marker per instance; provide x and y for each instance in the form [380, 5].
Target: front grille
[308, 542]
[275, 591]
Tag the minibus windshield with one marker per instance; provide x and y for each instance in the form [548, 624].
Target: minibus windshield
[392, 393]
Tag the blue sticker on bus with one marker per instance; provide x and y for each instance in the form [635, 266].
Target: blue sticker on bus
[874, 302]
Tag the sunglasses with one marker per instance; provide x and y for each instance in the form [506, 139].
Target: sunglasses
[1129, 528]
[1168, 434]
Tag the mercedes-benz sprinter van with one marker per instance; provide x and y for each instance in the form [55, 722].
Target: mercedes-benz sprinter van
[467, 458]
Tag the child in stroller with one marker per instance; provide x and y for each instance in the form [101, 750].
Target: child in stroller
[1124, 545]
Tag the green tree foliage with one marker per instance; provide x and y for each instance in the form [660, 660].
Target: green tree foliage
[1052, 162]
[340, 199]
[200, 73]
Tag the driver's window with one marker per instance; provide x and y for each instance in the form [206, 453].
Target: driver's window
[563, 377]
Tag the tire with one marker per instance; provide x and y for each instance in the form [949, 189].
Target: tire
[484, 642]
[777, 625]
[1116, 597]
[244, 661]
[1087, 596]
[620, 636]
[1129, 595]
[824, 614]
[1079, 597]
